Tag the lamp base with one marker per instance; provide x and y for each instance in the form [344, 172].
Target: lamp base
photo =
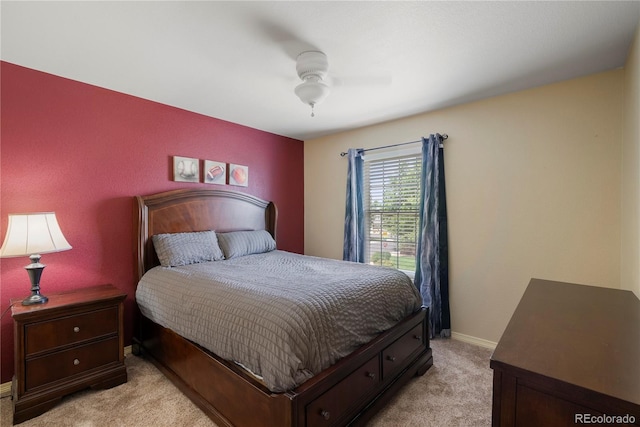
[35, 272]
[35, 299]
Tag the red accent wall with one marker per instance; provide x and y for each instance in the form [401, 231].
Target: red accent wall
[84, 152]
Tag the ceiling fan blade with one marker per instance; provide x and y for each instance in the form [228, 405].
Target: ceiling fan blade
[361, 80]
[290, 42]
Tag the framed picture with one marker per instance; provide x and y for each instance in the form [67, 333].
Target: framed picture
[186, 169]
[238, 175]
[215, 172]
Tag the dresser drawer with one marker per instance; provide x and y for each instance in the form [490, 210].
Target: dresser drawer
[393, 357]
[76, 360]
[327, 409]
[55, 333]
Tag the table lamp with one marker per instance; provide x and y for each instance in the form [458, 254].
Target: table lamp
[33, 234]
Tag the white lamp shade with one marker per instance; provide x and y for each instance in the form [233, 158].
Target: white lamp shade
[33, 233]
[312, 92]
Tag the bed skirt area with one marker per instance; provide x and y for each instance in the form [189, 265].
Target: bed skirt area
[349, 392]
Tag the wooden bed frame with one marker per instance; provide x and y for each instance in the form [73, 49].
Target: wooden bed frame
[349, 392]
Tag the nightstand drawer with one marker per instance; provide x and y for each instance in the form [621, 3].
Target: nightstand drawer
[76, 360]
[51, 334]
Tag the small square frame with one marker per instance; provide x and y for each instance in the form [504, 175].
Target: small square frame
[186, 169]
[215, 172]
[238, 175]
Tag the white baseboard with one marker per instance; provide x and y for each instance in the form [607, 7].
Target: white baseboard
[5, 388]
[473, 340]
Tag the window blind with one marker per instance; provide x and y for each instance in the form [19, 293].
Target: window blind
[392, 198]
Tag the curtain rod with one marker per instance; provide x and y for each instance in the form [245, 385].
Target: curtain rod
[443, 137]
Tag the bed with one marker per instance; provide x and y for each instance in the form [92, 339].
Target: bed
[349, 391]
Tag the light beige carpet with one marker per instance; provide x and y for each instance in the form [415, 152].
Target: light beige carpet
[456, 391]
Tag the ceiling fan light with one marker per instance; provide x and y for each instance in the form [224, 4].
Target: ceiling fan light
[312, 92]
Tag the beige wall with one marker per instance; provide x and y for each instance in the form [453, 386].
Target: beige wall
[533, 190]
[630, 252]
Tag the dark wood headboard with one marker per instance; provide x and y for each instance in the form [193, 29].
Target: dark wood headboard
[197, 210]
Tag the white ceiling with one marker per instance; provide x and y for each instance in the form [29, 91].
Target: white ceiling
[387, 59]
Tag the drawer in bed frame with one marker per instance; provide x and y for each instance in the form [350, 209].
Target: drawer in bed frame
[395, 356]
[334, 405]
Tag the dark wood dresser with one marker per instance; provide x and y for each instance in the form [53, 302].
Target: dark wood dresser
[73, 341]
[570, 355]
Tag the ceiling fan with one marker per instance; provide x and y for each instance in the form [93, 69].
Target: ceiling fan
[312, 67]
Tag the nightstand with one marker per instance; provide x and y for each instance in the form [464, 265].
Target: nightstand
[72, 342]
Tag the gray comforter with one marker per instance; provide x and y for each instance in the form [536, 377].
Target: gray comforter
[284, 316]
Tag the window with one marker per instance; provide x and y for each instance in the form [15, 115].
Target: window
[392, 208]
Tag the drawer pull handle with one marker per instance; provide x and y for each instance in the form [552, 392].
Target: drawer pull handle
[325, 414]
[391, 358]
[371, 375]
[76, 329]
[417, 337]
[76, 362]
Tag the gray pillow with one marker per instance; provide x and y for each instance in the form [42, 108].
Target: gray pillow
[240, 243]
[176, 249]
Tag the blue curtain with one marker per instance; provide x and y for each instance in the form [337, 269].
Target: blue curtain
[353, 247]
[432, 276]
